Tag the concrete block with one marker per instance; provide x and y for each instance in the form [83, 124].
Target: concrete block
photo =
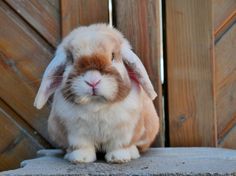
[157, 161]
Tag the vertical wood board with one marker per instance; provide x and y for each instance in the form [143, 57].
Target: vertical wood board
[190, 73]
[82, 12]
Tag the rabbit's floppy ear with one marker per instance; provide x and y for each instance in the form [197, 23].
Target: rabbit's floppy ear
[134, 63]
[52, 78]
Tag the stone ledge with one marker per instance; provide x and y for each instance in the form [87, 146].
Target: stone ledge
[157, 161]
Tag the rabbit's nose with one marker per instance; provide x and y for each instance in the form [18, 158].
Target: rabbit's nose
[93, 84]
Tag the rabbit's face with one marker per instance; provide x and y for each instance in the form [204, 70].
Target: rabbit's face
[93, 63]
[95, 70]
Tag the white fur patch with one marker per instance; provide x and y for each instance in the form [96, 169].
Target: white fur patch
[134, 153]
[107, 87]
[123, 155]
[85, 155]
[118, 156]
[92, 76]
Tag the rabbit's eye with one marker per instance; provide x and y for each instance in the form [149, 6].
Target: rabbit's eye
[112, 56]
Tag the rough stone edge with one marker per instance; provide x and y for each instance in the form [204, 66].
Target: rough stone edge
[58, 152]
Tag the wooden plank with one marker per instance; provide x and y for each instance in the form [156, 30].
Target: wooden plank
[23, 124]
[228, 23]
[142, 29]
[23, 58]
[44, 17]
[229, 140]
[82, 12]
[55, 3]
[226, 87]
[16, 142]
[222, 10]
[190, 73]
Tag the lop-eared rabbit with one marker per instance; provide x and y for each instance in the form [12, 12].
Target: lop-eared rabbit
[102, 97]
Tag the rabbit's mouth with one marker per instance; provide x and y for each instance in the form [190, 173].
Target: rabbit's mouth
[94, 92]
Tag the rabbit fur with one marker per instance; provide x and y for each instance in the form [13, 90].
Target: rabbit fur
[102, 97]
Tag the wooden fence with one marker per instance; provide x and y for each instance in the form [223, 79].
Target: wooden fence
[199, 39]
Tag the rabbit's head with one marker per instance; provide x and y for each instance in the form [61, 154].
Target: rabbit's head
[93, 63]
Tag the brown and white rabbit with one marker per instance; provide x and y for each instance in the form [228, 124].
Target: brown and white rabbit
[102, 97]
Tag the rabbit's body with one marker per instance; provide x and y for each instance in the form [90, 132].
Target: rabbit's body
[100, 102]
[110, 126]
[101, 120]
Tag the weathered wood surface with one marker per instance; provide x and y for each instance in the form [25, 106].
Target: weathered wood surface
[23, 58]
[158, 161]
[139, 21]
[225, 68]
[223, 10]
[18, 140]
[42, 15]
[82, 12]
[190, 73]
[201, 72]
[55, 4]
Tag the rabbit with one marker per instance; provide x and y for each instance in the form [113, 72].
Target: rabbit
[102, 97]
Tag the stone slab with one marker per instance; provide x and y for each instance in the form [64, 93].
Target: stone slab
[157, 161]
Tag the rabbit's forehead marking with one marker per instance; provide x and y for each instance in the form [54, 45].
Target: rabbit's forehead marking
[94, 62]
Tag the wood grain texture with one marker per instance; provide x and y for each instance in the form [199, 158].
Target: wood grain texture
[222, 10]
[17, 140]
[55, 3]
[42, 15]
[139, 21]
[226, 88]
[190, 73]
[229, 141]
[82, 12]
[23, 58]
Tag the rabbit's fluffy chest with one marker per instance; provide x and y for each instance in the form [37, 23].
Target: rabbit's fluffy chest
[104, 126]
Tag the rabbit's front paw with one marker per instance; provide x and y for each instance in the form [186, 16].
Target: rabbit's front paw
[118, 156]
[134, 153]
[81, 156]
